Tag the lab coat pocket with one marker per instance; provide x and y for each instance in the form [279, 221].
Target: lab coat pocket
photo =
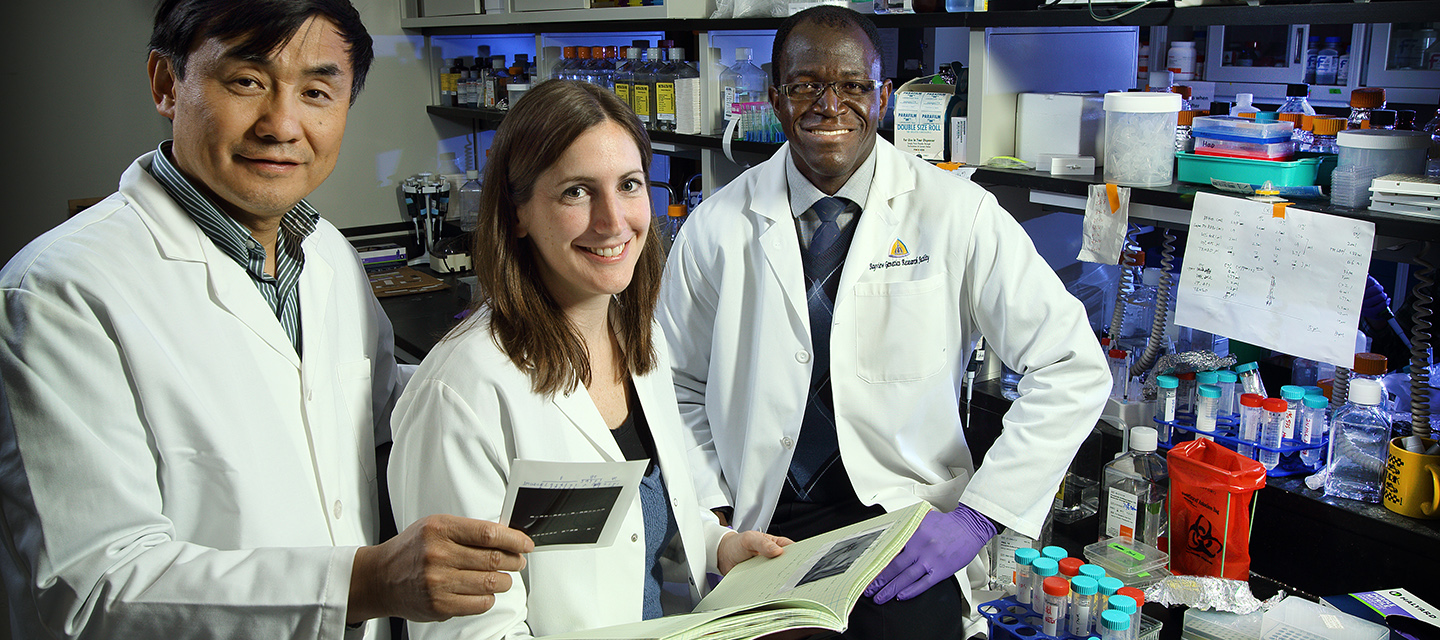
[354, 397]
[900, 329]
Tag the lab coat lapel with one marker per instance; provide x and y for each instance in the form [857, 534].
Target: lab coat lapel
[875, 230]
[580, 410]
[179, 238]
[316, 280]
[777, 236]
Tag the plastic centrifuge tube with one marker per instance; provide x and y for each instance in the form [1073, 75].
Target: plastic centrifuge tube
[1312, 426]
[1187, 393]
[1272, 424]
[1126, 605]
[1292, 395]
[1139, 597]
[1057, 595]
[1167, 401]
[1054, 552]
[1108, 586]
[1084, 593]
[1207, 377]
[1206, 407]
[1250, 411]
[1042, 568]
[1023, 557]
[1250, 378]
[1114, 625]
[1229, 399]
[1092, 571]
[1119, 374]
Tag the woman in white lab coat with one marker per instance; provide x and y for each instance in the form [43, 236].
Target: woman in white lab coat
[558, 363]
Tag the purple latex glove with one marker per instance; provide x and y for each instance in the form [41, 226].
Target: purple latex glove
[1376, 305]
[940, 548]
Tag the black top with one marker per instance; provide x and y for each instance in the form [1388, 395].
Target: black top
[633, 435]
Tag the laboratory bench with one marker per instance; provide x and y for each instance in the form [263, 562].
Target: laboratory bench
[1301, 541]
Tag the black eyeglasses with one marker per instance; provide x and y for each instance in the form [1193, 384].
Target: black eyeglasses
[843, 88]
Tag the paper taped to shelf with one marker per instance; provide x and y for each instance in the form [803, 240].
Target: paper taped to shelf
[1292, 284]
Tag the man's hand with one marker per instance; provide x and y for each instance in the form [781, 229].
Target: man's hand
[739, 547]
[940, 548]
[437, 568]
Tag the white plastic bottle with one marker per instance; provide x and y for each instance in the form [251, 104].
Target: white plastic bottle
[1327, 62]
[1181, 58]
[1243, 104]
[1358, 441]
[1132, 497]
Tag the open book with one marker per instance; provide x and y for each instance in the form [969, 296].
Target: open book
[814, 584]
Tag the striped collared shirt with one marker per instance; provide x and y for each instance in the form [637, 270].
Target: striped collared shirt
[282, 291]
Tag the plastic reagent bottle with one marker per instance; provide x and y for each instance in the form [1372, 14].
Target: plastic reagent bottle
[1024, 556]
[1272, 425]
[1134, 491]
[1114, 625]
[687, 93]
[1324, 139]
[1085, 591]
[1362, 102]
[1327, 62]
[1312, 426]
[1358, 440]
[1057, 595]
[742, 82]
[1250, 378]
[1250, 410]
[1167, 401]
[1229, 399]
[470, 201]
[625, 74]
[1041, 568]
[1243, 105]
[1206, 409]
[1296, 100]
[1311, 51]
[1292, 396]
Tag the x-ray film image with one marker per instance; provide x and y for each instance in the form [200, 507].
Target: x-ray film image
[840, 556]
[563, 516]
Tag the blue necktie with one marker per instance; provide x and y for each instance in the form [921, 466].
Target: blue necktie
[818, 447]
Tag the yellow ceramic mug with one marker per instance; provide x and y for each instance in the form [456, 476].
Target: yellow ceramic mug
[1412, 481]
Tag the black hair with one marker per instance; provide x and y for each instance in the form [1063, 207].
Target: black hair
[827, 16]
[261, 25]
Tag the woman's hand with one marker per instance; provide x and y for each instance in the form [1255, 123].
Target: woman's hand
[739, 547]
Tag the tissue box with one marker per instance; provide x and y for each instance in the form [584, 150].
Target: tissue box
[1060, 123]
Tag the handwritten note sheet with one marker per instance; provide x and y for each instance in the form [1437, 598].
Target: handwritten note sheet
[1292, 284]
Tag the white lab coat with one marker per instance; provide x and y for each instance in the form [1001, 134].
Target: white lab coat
[467, 414]
[935, 262]
[169, 467]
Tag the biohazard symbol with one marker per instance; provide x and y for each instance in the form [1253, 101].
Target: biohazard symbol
[1202, 539]
[898, 250]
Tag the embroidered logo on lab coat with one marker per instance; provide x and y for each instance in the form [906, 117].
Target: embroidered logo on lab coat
[898, 249]
[900, 257]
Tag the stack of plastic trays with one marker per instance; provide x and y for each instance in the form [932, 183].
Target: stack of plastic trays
[1350, 186]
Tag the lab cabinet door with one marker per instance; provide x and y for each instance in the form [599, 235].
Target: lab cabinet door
[1256, 53]
[1404, 55]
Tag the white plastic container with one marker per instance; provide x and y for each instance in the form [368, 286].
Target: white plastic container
[1386, 151]
[1140, 138]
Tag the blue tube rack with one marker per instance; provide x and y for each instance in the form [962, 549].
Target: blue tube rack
[1011, 620]
[1227, 429]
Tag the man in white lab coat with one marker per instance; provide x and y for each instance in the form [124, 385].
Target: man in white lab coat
[820, 311]
[195, 372]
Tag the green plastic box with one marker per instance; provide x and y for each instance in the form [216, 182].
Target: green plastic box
[1302, 172]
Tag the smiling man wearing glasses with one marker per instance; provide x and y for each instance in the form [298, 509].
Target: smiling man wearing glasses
[820, 311]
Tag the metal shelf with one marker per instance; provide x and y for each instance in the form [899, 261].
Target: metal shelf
[652, 18]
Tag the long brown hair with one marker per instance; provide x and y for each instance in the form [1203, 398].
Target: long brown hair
[525, 320]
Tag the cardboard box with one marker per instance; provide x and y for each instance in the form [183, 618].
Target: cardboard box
[1061, 124]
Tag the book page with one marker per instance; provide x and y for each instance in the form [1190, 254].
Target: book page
[832, 569]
